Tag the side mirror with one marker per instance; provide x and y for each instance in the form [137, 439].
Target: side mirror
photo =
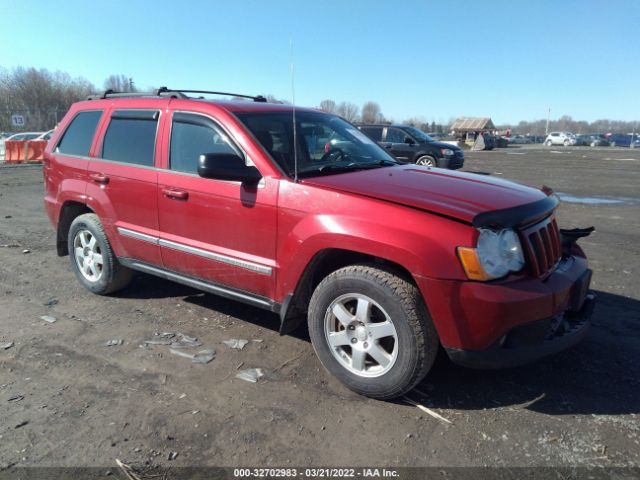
[409, 141]
[227, 166]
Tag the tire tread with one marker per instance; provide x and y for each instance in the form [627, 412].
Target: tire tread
[416, 314]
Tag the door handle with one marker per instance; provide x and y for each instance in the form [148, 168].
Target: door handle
[388, 146]
[100, 178]
[175, 194]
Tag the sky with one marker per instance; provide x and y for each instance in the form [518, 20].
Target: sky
[507, 59]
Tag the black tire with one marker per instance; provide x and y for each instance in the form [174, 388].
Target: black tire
[417, 339]
[427, 161]
[113, 276]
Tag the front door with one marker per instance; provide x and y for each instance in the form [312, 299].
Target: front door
[216, 230]
[395, 143]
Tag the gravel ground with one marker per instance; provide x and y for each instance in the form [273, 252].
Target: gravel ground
[67, 399]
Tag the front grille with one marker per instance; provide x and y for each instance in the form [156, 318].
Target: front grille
[541, 244]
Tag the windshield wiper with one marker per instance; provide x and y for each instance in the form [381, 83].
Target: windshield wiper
[351, 167]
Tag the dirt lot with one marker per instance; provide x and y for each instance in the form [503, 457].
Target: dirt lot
[67, 399]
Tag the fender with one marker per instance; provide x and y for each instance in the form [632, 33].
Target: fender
[69, 192]
[423, 245]
[98, 201]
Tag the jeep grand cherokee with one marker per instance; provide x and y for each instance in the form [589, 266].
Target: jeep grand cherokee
[385, 261]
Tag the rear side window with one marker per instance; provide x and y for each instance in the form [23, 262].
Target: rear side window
[191, 136]
[79, 135]
[375, 133]
[131, 137]
[395, 135]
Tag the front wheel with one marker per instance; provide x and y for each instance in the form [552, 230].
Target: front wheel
[371, 329]
[548, 143]
[92, 258]
[426, 161]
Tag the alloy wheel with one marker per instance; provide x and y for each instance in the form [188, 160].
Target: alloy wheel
[88, 255]
[361, 335]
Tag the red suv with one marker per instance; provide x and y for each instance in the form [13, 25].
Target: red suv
[298, 212]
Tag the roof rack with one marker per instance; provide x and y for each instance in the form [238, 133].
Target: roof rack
[168, 92]
[258, 98]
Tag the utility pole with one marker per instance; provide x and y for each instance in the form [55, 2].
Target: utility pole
[546, 130]
[130, 84]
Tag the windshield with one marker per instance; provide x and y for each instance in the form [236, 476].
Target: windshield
[325, 144]
[419, 134]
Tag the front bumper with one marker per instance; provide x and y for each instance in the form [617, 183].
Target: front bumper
[531, 342]
[482, 324]
[453, 162]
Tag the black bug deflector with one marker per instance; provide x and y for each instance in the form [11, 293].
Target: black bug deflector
[517, 216]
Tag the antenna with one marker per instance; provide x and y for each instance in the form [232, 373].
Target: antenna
[293, 103]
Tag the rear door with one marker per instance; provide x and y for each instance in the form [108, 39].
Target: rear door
[123, 182]
[221, 231]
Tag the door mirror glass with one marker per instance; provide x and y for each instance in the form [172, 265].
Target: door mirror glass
[227, 166]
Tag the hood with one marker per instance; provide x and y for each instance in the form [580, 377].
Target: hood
[460, 195]
[443, 145]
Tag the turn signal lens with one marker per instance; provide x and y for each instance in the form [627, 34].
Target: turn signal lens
[471, 264]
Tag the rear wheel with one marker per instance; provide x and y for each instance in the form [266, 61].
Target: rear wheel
[92, 258]
[548, 143]
[427, 161]
[371, 329]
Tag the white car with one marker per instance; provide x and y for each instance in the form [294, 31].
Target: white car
[560, 138]
[23, 136]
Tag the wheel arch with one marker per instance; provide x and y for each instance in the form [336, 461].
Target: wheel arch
[323, 263]
[69, 211]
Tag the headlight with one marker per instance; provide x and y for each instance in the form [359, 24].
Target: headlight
[497, 254]
[447, 152]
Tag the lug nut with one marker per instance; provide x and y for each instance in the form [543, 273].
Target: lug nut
[351, 327]
[366, 344]
[354, 340]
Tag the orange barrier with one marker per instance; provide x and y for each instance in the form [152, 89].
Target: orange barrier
[21, 151]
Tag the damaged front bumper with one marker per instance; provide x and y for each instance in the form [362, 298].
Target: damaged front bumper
[527, 343]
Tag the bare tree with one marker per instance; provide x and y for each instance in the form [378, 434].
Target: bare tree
[119, 83]
[272, 99]
[328, 106]
[371, 112]
[419, 122]
[40, 96]
[348, 111]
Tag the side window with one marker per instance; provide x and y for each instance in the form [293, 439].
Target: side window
[193, 135]
[131, 137]
[395, 135]
[375, 133]
[79, 135]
